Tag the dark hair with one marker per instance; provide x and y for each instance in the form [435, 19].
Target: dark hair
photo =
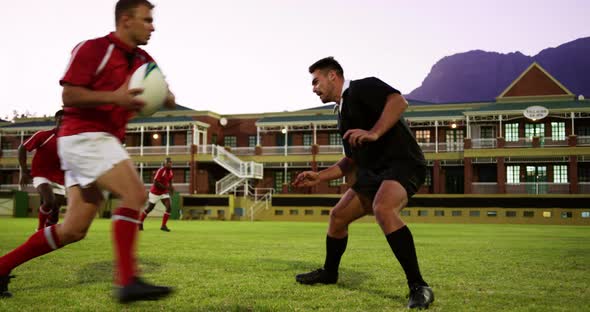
[327, 63]
[168, 159]
[59, 113]
[126, 6]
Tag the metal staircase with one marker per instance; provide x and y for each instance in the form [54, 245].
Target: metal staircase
[239, 171]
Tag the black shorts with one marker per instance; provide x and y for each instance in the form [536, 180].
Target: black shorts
[410, 177]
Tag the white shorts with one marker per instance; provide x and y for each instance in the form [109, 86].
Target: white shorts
[153, 198]
[55, 187]
[87, 156]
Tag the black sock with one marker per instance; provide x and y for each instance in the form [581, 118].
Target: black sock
[335, 247]
[402, 245]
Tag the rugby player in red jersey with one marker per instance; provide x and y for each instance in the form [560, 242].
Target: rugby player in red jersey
[97, 106]
[45, 173]
[160, 190]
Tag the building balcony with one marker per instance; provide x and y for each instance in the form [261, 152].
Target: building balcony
[537, 188]
[484, 188]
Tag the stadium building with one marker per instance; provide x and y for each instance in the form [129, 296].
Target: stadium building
[523, 158]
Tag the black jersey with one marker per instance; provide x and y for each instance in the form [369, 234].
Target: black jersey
[362, 105]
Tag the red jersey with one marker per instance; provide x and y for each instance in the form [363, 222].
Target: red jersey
[46, 162]
[163, 176]
[101, 64]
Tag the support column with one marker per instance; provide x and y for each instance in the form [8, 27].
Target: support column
[501, 175]
[436, 177]
[468, 128]
[167, 140]
[573, 174]
[572, 117]
[286, 139]
[141, 130]
[192, 185]
[500, 131]
[436, 137]
[257, 136]
[468, 175]
[22, 136]
[315, 134]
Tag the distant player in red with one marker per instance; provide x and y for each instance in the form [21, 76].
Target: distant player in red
[161, 190]
[97, 106]
[46, 173]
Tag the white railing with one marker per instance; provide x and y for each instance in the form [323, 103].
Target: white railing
[6, 153]
[450, 147]
[330, 149]
[537, 188]
[583, 140]
[273, 150]
[427, 147]
[243, 150]
[549, 141]
[259, 203]
[227, 183]
[179, 149]
[299, 150]
[484, 143]
[235, 165]
[484, 188]
[521, 142]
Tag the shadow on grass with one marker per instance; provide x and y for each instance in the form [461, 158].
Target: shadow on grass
[348, 278]
[98, 272]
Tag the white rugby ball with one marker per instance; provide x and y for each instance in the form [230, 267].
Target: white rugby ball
[155, 89]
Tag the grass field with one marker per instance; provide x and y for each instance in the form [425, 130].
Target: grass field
[243, 266]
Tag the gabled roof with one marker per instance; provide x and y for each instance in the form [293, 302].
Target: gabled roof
[535, 81]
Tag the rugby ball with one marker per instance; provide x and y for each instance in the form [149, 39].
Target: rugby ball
[155, 89]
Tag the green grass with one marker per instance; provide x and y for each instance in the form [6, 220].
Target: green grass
[243, 266]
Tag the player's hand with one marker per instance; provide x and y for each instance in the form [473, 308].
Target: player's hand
[24, 179]
[125, 97]
[306, 179]
[356, 137]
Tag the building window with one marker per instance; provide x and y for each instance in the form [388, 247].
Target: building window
[486, 132]
[439, 213]
[511, 214]
[251, 141]
[511, 131]
[454, 140]
[528, 214]
[422, 213]
[558, 131]
[230, 140]
[492, 213]
[534, 130]
[585, 214]
[546, 214]
[278, 181]
[423, 136]
[406, 213]
[513, 174]
[566, 215]
[309, 212]
[583, 131]
[187, 176]
[474, 213]
[325, 212]
[560, 174]
[335, 139]
[278, 212]
[583, 174]
[307, 139]
[214, 139]
[293, 212]
[456, 213]
[335, 182]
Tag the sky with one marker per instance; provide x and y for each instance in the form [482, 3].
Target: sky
[236, 56]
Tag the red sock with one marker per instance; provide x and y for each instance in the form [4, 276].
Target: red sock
[165, 219]
[143, 216]
[44, 212]
[40, 243]
[124, 236]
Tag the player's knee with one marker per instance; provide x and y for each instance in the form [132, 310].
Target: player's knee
[72, 235]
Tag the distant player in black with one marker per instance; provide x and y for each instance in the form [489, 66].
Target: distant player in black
[389, 166]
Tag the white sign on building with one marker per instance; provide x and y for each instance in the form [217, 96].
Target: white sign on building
[535, 112]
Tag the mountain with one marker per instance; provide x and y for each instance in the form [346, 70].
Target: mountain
[481, 76]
